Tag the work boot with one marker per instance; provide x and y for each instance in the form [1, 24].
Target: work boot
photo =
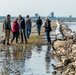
[11, 41]
[8, 44]
[21, 43]
[3, 42]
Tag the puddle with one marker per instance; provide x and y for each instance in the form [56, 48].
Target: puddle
[35, 62]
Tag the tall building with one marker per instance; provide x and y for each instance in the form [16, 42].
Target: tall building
[52, 14]
[36, 15]
[70, 16]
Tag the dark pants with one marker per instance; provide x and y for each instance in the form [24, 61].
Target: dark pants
[39, 29]
[28, 30]
[15, 35]
[48, 37]
[22, 33]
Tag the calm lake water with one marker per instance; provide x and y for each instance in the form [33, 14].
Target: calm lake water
[72, 25]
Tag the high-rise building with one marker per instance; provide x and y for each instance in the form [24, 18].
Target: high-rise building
[36, 15]
[52, 14]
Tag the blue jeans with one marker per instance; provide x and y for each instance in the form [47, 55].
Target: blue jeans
[48, 37]
[28, 31]
[39, 29]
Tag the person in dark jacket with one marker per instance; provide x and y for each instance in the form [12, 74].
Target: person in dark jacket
[48, 28]
[7, 29]
[15, 30]
[28, 26]
[22, 28]
[39, 23]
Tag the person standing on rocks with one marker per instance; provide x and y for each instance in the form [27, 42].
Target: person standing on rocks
[7, 29]
[39, 23]
[28, 26]
[48, 28]
[22, 29]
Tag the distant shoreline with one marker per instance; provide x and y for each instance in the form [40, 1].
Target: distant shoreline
[54, 20]
[63, 19]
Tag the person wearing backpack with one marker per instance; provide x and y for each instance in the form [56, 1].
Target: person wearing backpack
[7, 29]
[48, 29]
[39, 24]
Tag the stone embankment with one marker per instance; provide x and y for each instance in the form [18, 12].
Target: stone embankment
[65, 51]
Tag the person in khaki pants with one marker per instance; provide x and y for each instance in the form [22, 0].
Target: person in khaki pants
[7, 29]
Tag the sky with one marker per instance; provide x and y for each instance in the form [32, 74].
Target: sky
[60, 8]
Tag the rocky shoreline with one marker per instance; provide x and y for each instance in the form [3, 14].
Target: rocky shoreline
[65, 52]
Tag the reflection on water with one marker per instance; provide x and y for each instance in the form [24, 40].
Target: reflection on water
[11, 62]
[14, 61]
[39, 49]
[48, 59]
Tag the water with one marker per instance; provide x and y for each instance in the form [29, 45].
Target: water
[35, 62]
[40, 62]
[72, 25]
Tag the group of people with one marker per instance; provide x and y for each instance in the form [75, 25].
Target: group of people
[21, 28]
[18, 29]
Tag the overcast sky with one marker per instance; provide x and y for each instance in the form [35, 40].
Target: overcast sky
[42, 7]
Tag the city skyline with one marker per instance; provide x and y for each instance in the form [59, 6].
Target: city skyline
[61, 8]
[52, 14]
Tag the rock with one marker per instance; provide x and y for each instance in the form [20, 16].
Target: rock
[63, 58]
[72, 73]
[74, 51]
[66, 62]
[60, 50]
[54, 72]
[66, 72]
[66, 49]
